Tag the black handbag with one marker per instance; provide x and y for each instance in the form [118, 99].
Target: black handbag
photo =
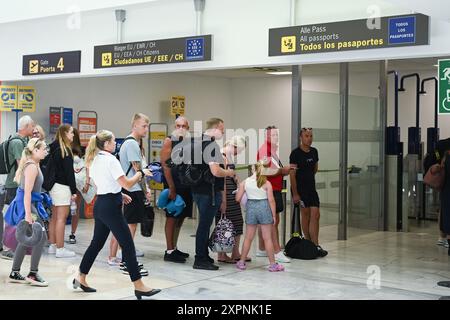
[299, 247]
[148, 221]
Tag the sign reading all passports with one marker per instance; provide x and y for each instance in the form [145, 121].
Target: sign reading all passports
[51, 63]
[372, 33]
[188, 49]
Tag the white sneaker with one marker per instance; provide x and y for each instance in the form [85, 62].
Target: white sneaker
[119, 254]
[64, 253]
[261, 253]
[52, 249]
[280, 257]
[139, 253]
[442, 242]
[114, 262]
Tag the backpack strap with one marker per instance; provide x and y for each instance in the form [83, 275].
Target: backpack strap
[131, 165]
[11, 138]
[275, 157]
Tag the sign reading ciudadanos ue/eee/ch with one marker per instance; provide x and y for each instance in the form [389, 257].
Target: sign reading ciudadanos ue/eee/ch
[187, 49]
[372, 33]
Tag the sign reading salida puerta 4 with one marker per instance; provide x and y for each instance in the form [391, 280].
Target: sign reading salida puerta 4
[187, 49]
[372, 33]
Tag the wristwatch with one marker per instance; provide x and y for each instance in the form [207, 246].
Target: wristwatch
[142, 172]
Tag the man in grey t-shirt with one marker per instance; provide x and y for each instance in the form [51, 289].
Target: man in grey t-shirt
[17, 144]
[131, 159]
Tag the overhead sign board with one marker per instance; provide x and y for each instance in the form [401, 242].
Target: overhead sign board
[177, 50]
[51, 63]
[372, 33]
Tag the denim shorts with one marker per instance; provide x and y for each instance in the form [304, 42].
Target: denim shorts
[258, 212]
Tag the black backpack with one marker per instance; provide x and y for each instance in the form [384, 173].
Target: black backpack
[5, 165]
[299, 247]
[183, 165]
[48, 169]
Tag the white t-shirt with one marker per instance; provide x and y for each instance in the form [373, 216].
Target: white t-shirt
[105, 170]
[252, 190]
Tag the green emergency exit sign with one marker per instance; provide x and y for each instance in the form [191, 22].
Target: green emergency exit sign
[444, 86]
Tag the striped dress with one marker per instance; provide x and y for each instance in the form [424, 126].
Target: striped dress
[233, 212]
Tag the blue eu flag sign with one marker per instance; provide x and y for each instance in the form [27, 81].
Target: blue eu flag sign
[194, 48]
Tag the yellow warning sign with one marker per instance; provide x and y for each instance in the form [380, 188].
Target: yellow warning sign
[26, 99]
[8, 98]
[106, 59]
[34, 66]
[157, 135]
[17, 98]
[288, 44]
[177, 105]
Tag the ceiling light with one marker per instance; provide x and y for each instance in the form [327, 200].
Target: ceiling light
[280, 73]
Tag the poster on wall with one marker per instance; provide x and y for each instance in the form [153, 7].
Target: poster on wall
[68, 116]
[58, 116]
[8, 98]
[26, 99]
[156, 141]
[87, 126]
[17, 98]
[55, 119]
[177, 105]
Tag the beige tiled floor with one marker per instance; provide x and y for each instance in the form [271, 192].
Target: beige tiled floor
[410, 264]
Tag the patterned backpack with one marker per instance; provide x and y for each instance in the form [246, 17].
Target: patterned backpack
[222, 238]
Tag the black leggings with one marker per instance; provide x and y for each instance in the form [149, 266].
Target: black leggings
[108, 217]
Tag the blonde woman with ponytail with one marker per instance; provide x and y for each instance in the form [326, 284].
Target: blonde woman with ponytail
[107, 173]
[260, 210]
[28, 206]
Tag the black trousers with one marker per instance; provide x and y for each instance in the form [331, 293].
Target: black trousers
[108, 217]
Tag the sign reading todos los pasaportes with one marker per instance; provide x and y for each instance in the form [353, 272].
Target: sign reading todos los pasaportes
[188, 49]
[372, 33]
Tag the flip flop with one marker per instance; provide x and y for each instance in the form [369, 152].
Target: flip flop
[227, 261]
[246, 260]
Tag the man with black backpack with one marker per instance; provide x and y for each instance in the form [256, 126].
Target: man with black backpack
[171, 182]
[207, 184]
[11, 154]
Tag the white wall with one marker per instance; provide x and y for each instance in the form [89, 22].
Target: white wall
[240, 31]
[116, 99]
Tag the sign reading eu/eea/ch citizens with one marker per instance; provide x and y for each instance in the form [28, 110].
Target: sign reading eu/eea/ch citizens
[372, 33]
[177, 50]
